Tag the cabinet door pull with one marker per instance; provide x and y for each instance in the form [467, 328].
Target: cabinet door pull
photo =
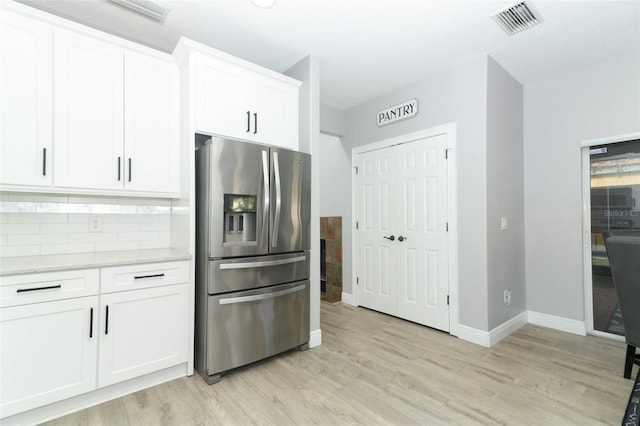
[119, 169]
[255, 123]
[106, 321]
[248, 121]
[44, 161]
[141, 277]
[129, 169]
[91, 324]
[49, 287]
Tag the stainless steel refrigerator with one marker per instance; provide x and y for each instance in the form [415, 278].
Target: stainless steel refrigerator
[252, 253]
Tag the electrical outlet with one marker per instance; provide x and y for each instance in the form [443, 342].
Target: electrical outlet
[507, 297]
[95, 224]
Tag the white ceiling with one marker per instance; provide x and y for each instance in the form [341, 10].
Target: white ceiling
[367, 48]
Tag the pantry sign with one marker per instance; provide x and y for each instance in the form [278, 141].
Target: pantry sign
[407, 109]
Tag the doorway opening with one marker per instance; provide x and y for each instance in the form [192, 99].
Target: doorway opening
[614, 198]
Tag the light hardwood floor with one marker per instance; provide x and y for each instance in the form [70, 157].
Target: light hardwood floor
[373, 369]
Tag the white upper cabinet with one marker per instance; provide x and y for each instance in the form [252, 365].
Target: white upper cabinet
[222, 98]
[245, 102]
[151, 131]
[276, 119]
[88, 112]
[25, 101]
[85, 112]
[116, 118]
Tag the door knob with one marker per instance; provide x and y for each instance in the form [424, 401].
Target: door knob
[401, 238]
[390, 238]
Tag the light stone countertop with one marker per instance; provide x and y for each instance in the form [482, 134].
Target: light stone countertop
[62, 262]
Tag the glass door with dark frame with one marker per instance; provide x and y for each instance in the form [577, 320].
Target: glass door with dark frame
[615, 208]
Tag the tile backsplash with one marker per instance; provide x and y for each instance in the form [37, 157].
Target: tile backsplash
[40, 224]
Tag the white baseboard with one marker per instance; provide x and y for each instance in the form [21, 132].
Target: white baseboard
[67, 406]
[348, 299]
[474, 335]
[506, 328]
[557, 323]
[315, 338]
[490, 338]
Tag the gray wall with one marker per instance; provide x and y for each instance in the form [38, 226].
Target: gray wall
[332, 121]
[307, 71]
[505, 195]
[597, 101]
[456, 95]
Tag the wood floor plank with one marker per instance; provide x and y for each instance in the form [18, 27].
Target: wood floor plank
[374, 369]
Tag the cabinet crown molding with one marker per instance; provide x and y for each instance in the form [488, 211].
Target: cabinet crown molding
[56, 21]
[186, 46]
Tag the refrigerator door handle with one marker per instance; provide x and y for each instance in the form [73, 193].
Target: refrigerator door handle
[246, 265]
[275, 294]
[265, 207]
[276, 218]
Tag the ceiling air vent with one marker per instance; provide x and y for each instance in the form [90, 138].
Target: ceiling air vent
[148, 8]
[516, 18]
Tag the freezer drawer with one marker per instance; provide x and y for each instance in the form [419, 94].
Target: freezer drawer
[252, 272]
[248, 326]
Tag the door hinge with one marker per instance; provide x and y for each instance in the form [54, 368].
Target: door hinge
[356, 224]
[447, 226]
[356, 167]
[446, 153]
[447, 299]
[357, 281]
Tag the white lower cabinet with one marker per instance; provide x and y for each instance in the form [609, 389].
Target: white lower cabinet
[54, 348]
[141, 331]
[49, 352]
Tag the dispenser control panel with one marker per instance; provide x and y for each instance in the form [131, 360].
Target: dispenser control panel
[240, 226]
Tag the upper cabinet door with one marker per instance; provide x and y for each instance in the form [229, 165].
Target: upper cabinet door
[245, 103]
[152, 139]
[276, 108]
[88, 112]
[25, 101]
[223, 99]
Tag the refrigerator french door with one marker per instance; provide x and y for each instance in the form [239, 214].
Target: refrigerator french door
[252, 259]
[256, 198]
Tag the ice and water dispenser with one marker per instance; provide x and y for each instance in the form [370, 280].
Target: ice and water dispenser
[240, 219]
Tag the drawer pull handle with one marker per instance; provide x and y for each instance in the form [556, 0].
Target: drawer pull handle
[49, 287]
[263, 263]
[141, 277]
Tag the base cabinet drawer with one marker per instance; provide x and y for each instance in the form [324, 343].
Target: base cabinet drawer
[49, 286]
[49, 352]
[134, 277]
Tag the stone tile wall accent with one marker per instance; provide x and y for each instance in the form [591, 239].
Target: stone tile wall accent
[331, 232]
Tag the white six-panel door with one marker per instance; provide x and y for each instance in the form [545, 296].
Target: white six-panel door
[375, 262]
[421, 222]
[402, 194]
